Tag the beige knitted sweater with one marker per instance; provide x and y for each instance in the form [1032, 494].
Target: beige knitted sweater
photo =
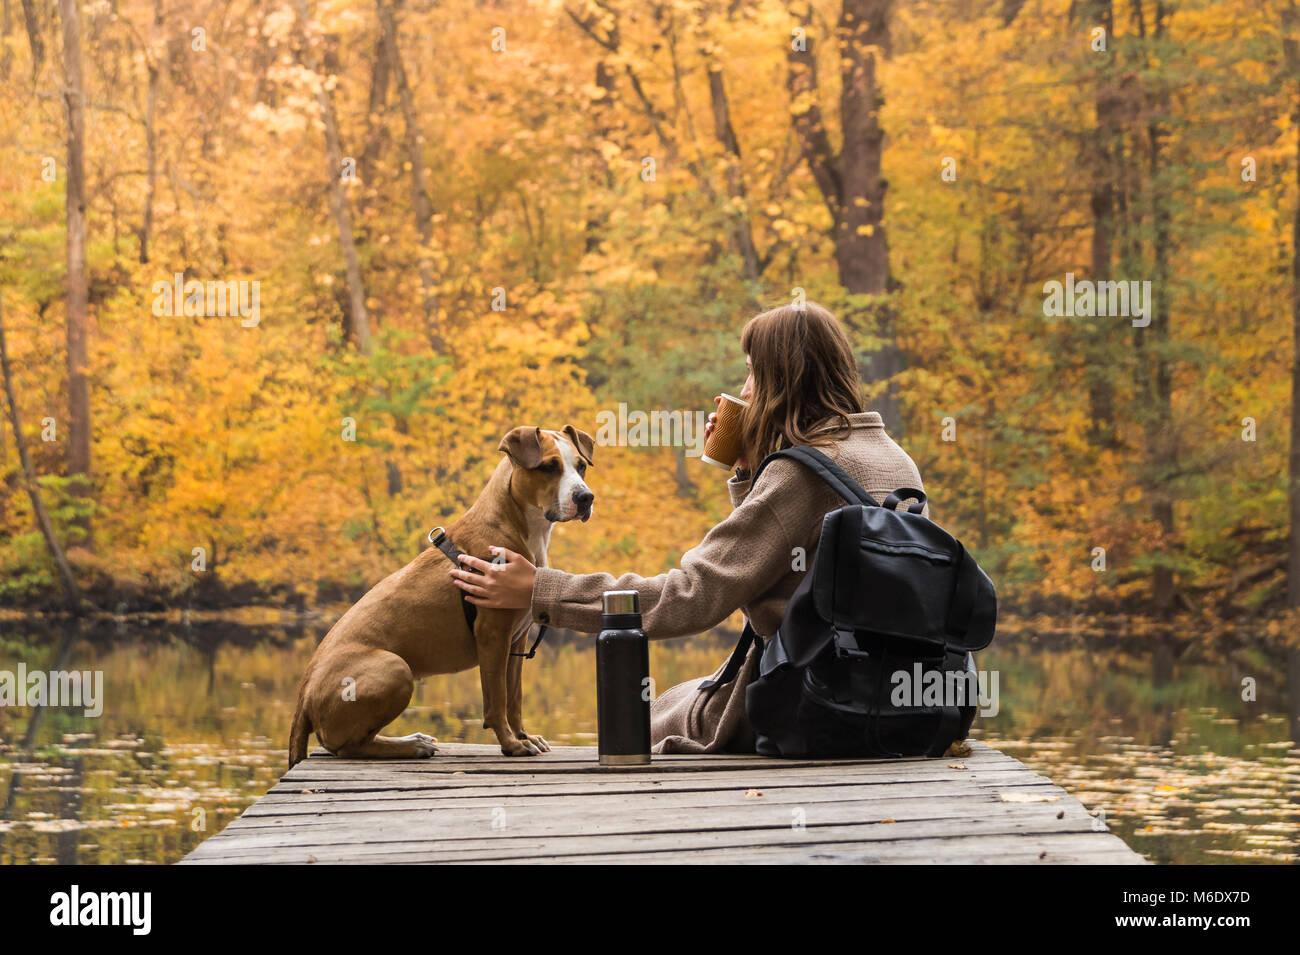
[753, 560]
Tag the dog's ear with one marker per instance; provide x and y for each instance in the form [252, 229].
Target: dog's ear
[524, 445]
[582, 441]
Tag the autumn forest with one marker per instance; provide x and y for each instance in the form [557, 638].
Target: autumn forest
[277, 275]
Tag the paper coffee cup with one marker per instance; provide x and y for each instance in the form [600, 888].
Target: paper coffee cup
[723, 444]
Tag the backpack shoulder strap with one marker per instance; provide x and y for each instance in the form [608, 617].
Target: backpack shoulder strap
[824, 468]
[731, 668]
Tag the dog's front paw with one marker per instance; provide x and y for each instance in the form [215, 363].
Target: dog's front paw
[537, 741]
[519, 747]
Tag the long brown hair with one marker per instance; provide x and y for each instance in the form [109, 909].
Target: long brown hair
[805, 379]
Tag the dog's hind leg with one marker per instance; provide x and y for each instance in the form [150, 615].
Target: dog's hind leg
[361, 694]
[390, 747]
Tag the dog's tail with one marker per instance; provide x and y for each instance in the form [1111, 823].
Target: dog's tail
[300, 731]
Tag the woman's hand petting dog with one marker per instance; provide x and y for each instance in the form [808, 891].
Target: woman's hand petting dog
[506, 582]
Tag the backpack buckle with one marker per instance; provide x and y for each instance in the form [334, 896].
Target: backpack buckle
[846, 645]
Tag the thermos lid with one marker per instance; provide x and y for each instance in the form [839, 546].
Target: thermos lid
[621, 601]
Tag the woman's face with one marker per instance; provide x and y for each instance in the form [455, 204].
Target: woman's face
[747, 392]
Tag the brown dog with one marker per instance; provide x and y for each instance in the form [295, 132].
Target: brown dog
[411, 624]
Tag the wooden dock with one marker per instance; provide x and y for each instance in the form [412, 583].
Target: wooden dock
[470, 804]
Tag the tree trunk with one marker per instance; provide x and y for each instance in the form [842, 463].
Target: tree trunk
[851, 183]
[78, 459]
[150, 135]
[359, 320]
[374, 142]
[602, 120]
[43, 522]
[1098, 157]
[376, 128]
[685, 486]
[34, 40]
[1158, 431]
[809, 129]
[6, 61]
[861, 247]
[738, 212]
[420, 204]
[1291, 46]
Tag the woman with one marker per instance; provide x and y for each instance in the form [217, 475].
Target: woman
[802, 389]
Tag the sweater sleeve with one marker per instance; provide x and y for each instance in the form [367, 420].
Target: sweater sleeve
[738, 488]
[739, 559]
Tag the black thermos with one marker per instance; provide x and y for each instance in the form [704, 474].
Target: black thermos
[622, 683]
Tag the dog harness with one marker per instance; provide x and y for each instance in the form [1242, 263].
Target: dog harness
[439, 539]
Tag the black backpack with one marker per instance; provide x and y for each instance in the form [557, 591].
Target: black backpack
[889, 592]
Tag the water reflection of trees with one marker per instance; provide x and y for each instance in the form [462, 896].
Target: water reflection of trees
[1293, 684]
[204, 705]
[210, 678]
[1152, 696]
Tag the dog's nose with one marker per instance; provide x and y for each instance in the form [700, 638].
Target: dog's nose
[583, 498]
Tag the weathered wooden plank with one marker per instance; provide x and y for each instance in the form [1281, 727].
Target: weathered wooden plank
[522, 820]
[470, 804]
[564, 833]
[316, 800]
[588, 754]
[471, 799]
[1057, 849]
[488, 760]
[623, 783]
[570, 785]
[374, 778]
[883, 840]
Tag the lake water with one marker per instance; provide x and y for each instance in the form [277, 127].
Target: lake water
[196, 716]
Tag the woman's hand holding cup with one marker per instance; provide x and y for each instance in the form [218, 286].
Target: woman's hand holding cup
[721, 448]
